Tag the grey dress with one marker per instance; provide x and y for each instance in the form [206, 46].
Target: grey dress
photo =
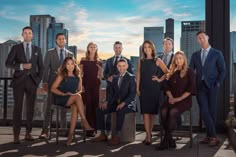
[149, 90]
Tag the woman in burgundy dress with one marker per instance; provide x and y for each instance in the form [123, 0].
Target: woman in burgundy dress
[179, 88]
[91, 67]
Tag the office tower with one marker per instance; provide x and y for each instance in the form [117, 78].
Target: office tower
[232, 60]
[53, 30]
[169, 28]
[155, 34]
[40, 24]
[188, 40]
[4, 51]
[134, 62]
[74, 50]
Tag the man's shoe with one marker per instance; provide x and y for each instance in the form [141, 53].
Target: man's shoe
[213, 142]
[44, 135]
[100, 138]
[205, 140]
[115, 140]
[16, 140]
[172, 143]
[29, 137]
[90, 133]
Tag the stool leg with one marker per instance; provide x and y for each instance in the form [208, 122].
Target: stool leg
[191, 129]
[57, 120]
[84, 135]
[50, 129]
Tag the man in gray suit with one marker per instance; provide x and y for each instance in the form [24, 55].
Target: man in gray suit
[52, 61]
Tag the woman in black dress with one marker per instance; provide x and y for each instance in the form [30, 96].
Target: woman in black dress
[67, 88]
[148, 86]
[179, 88]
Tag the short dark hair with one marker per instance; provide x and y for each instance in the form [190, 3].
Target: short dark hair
[27, 27]
[117, 42]
[58, 34]
[200, 32]
[122, 60]
[168, 38]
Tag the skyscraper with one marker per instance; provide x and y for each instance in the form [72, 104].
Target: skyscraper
[155, 34]
[188, 40]
[169, 28]
[4, 51]
[40, 24]
[74, 50]
[232, 59]
[53, 30]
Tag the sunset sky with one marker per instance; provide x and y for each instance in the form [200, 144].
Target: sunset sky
[104, 21]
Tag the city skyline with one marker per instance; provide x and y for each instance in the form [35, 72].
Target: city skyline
[104, 22]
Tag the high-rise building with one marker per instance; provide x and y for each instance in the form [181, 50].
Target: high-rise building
[53, 30]
[134, 62]
[156, 35]
[4, 51]
[232, 59]
[188, 41]
[74, 50]
[40, 24]
[169, 28]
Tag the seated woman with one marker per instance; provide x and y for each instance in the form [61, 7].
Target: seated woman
[179, 88]
[67, 87]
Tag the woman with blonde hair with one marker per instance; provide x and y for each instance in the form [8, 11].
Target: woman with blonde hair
[149, 74]
[179, 88]
[67, 88]
[91, 69]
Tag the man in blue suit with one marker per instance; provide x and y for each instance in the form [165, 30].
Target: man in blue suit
[121, 99]
[210, 72]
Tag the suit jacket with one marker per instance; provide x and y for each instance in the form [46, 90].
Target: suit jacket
[126, 93]
[17, 56]
[161, 56]
[213, 69]
[111, 70]
[51, 64]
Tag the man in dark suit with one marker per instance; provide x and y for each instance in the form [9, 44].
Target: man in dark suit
[52, 61]
[121, 99]
[26, 60]
[210, 72]
[111, 69]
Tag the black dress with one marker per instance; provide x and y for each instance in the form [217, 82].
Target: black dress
[68, 84]
[149, 90]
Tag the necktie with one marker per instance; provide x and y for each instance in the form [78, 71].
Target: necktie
[61, 56]
[116, 59]
[27, 52]
[120, 81]
[204, 55]
[165, 59]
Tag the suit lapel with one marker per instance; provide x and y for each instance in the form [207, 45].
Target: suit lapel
[55, 55]
[199, 57]
[23, 52]
[208, 56]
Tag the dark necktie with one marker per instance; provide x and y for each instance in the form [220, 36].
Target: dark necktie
[120, 81]
[204, 55]
[165, 59]
[61, 56]
[116, 59]
[27, 52]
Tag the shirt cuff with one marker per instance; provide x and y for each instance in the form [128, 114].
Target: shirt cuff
[21, 67]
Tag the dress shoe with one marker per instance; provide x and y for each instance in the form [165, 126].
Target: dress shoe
[172, 143]
[205, 140]
[115, 140]
[69, 139]
[100, 138]
[213, 141]
[90, 134]
[162, 147]
[16, 140]
[85, 125]
[29, 137]
[44, 135]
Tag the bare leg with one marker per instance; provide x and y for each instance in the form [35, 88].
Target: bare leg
[74, 118]
[147, 126]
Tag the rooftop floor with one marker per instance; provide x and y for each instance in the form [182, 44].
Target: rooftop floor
[41, 148]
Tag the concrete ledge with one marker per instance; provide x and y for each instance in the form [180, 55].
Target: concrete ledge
[232, 136]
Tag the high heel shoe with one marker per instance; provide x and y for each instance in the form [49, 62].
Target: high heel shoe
[69, 139]
[85, 125]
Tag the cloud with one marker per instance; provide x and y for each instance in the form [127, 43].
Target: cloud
[233, 24]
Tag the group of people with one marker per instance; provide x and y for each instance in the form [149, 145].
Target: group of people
[164, 84]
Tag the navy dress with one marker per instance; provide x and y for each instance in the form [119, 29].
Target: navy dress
[68, 84]
[149, 90]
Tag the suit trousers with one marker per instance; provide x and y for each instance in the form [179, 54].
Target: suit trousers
[120, 116]
[207, 99]
[47, 116]
[27, 88]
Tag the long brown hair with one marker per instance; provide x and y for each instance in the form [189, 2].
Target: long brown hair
[173, 66]
[87, 54]
[64, 72]
[152, 47]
